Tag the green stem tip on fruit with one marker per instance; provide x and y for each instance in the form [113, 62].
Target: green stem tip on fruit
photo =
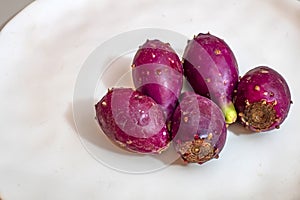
[229, 113]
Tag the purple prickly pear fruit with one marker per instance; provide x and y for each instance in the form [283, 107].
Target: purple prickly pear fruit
[263, 99]
[132, 120]
[198, 128]
[157, 72]
[211, 69]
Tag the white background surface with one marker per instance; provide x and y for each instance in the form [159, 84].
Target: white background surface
[41, 52]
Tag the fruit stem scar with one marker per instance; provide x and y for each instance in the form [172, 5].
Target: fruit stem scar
[197, 151]
[260, 115]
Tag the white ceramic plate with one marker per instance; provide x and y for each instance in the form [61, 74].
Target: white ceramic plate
[42, 52]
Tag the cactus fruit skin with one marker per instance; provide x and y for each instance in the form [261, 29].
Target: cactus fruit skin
[132, 120]
[263, 99]
[157, 72]
[211, 69]
[198, 128]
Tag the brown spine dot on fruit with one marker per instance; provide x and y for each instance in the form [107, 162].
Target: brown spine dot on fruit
[121, 144]
[210, 135]
[171, 60]
[169, 125]
[158, 72]
[133, 66]
[104, 103]
[208, 80]
[185, 119]
[129, 142]
[257, 88]
[263, 71]
[291, 102]
[217, 51]
[243, 119]
[278, 119]
[247, 102]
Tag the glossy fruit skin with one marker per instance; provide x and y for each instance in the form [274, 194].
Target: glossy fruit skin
[157, 72]
[198, 128]
[133, 120]
[211, 69]
[264, 89]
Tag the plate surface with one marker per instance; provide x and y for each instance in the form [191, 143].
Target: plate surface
[45, 47]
